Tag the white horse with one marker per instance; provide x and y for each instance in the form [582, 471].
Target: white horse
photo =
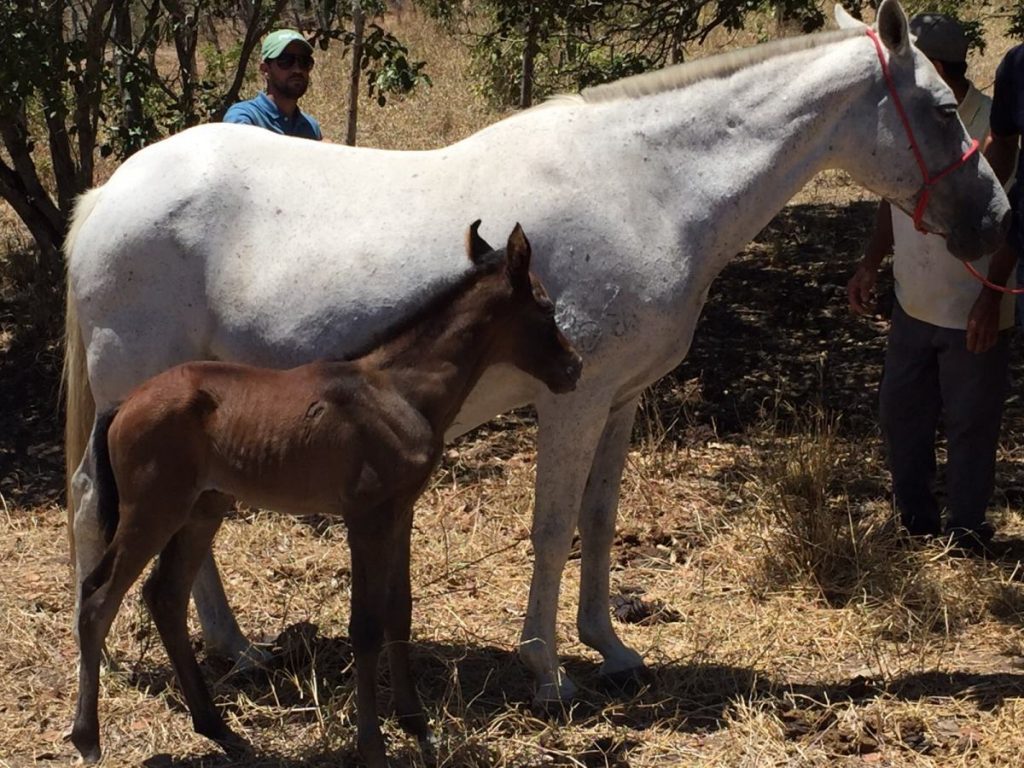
[227, 242]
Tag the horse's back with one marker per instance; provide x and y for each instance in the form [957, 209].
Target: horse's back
[232, 243]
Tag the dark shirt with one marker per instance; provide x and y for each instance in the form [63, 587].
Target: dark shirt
[263, 112]
[1008, 99]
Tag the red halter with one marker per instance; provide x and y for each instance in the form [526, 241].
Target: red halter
[929, 180]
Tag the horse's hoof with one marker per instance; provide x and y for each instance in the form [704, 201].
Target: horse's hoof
[626, 682]
[250, 659]
[554, 702]
[563, 691]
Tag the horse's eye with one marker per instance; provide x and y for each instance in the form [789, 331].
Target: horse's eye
[947, 110]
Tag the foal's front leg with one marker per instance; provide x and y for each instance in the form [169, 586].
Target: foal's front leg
[398, 624]
[372, 550]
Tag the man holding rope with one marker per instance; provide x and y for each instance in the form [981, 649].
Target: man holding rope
[947, 352]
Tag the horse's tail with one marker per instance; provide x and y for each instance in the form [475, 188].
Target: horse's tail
[107, 496]
[80, 408]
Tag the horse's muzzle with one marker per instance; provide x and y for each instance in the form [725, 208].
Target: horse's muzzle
[971, 243]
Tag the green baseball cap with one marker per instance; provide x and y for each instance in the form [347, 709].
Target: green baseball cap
[275, 43]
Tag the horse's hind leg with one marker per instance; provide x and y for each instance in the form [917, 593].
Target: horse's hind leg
[221, 632]
[89, 542]
[166, 592]
[597, 530]
[101, 594]
[397, 628]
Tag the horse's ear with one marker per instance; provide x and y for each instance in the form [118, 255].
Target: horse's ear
[845, 20]
[893, 28]
[476, 246]
[517, 254]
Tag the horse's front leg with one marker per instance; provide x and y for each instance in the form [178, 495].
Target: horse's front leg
[570, 427]
[597, 530]
[221, 632]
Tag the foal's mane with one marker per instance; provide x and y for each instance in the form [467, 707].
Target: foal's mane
[436, 296]
[682, 75]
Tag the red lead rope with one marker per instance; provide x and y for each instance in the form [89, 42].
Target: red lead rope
[929, 180]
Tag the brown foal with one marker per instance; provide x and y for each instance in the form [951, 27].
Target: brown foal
[356, 438]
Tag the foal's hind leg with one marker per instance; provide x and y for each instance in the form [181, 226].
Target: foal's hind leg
[101, 594]
[166, 593]
[398, 624]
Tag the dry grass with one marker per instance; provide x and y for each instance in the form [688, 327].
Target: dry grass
[784, 625]
[916, 664]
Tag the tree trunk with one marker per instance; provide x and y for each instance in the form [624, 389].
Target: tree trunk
[254, 30]
[185, 31]
[529, 55]
[131, 99]
[358, 23]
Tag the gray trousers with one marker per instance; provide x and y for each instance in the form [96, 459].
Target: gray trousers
[928, 372]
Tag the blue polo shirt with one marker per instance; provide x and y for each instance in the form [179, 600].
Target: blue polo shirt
[263, 112]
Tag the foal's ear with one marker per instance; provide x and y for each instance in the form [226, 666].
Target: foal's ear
[476, 246]
[893, 28]
[845, 20]
[517, 255]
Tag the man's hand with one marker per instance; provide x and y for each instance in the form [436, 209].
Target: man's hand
[861, 288]
[983, 322]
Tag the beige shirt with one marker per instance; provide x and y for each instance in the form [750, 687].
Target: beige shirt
[931, 285]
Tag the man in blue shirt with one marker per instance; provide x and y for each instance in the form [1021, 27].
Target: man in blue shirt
[285, 61]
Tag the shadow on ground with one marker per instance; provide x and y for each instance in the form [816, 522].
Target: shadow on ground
[479, 684]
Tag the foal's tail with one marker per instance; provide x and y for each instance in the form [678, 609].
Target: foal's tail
[108, 499]
[79, 406]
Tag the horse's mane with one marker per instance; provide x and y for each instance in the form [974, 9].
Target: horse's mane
[690, 72]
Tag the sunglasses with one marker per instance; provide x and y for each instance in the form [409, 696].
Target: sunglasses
[289, 60]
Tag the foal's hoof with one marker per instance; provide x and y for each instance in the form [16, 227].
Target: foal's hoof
[86, 740]
[373, 752]
[428, 748]
[415, 724]
[232, 744]
[626, 682]
[88, 748]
